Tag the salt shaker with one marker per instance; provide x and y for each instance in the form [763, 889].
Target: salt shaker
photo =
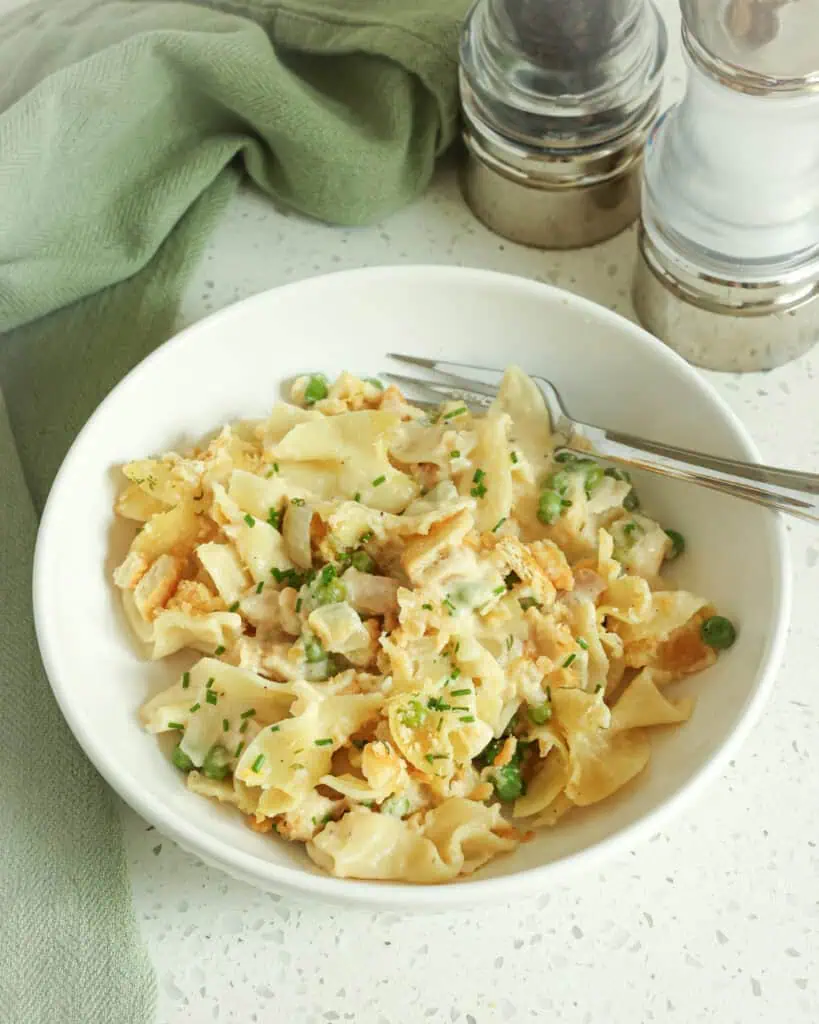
[728, 263]
[558, 97]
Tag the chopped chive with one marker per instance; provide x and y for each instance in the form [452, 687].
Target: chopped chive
[379, 480]
[326, 742]
[186, 680]
[427, 607]
[260, 586]
[275, 467]
[234, 607]
[582, 643]
[435, 757]
[220, 650]
[274, 518]
[248, 518]
[211, 697]
[175, 725]
[243, 727]
[479, 475]
[239, 748]
[257, 764]
[569, 660]
[455, 412]
[450, 607]
[274, 728]
[357, 496]
[248, 714]
[298, 502]
[298, 605]
[209, 683]
[268, 474]
[498, 524]
[510, 640]
[461, 693]
[467, 718]
[514, 457]
[194, 707]
[454, 673]
[500, 590]
[225, 725]
[367, 535]
[455, 454]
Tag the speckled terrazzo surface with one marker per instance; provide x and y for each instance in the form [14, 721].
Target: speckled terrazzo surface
[716, 919]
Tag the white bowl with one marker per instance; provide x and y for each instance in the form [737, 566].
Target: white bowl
[231, 366]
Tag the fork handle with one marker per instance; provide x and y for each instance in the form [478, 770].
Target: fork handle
[783, 490]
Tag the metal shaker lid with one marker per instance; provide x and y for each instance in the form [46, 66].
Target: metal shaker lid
[756, 45]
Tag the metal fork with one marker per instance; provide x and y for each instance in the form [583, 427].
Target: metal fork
[783, 490]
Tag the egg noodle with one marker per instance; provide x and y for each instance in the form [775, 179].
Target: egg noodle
[423, 636]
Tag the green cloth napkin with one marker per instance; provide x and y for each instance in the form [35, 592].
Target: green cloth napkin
[124, 128]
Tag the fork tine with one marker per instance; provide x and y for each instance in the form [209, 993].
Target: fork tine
[439, 365]
[466, 394]
[477, 387]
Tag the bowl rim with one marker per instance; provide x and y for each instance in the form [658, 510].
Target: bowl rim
[411, 896]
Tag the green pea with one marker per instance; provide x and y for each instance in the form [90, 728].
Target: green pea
[508, 782]
[181, 759]
[397, 806]
[559, 481]
[313, 651]
[718, 632]
[333, 593]
[549, 507]
[217, 762]
[631, 502]
[413, 715]
[540, 713]
[677, 545]
[316, 389]
[593, 478]
[362, 561]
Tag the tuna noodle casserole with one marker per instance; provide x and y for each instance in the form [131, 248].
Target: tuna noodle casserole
[421, 635]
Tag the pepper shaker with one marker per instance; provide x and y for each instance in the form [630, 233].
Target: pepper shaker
[558, 97]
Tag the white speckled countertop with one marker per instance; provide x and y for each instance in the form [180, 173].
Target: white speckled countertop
[716, 919]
